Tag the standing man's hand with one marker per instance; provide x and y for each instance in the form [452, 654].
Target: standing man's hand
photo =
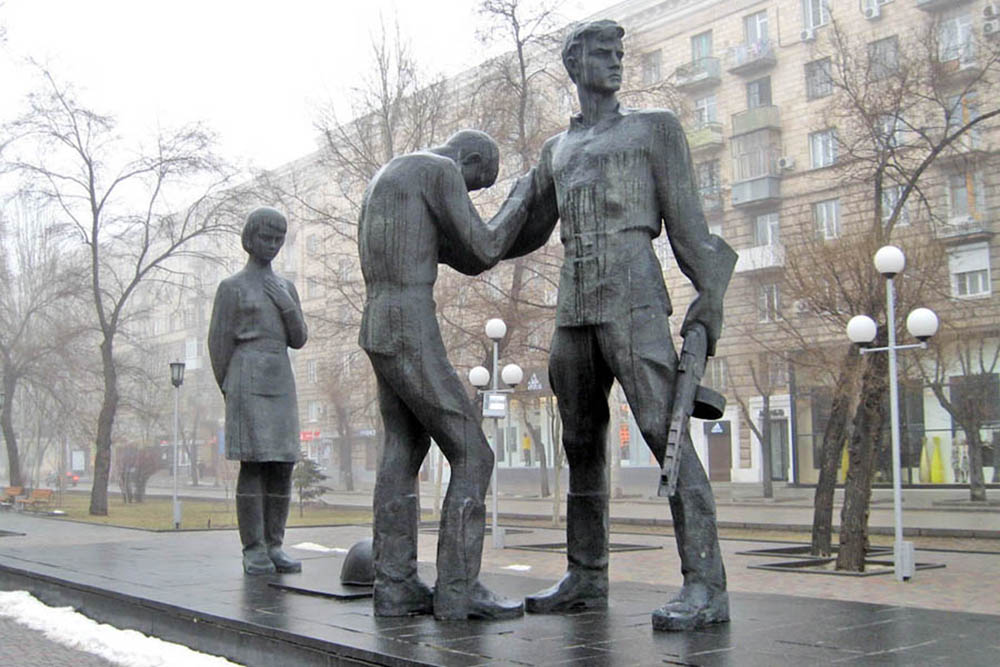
[274, 288]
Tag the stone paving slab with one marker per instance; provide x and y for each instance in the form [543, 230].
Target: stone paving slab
[188, 587]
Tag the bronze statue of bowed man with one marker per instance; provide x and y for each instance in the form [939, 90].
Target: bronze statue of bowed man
[416, 213]
[255, 319]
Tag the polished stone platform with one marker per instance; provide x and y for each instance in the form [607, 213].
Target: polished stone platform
[188, 588]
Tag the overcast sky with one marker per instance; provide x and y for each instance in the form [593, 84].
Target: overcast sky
[255, 70]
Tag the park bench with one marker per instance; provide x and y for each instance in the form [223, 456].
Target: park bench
[10, 494]
[37, 498]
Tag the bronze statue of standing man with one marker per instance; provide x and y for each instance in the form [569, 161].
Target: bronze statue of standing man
[256, 318]
[617, 178]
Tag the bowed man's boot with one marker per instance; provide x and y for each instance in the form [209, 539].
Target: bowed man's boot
[459, 595]
[398, 590]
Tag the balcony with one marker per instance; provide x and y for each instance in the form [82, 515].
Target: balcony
[935, 5]
[703, 73]
[758, 118]
[963, 230]
[750, 58]
[761, 190]
[761, 258]
[705, 138]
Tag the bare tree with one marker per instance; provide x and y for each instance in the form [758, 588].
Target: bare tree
[42, 284]
[119, 202]
[894, 110]
[971, 398]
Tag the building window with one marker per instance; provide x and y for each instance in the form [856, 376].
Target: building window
[962, 110]
[768, 303]
[759, 93]
[755, 154]
[755, 28]
[819, 79]
[969, 267]
[312, 288]
[651, 67]
[883, 57]
[815, 13]
[315, 411]
[826, 216]
[891, 130]
[891, 195]
[822, 148]
[955, 41]
[701, 46]
[965, 196]
[777, 371]
[976, 394]
[766, 230]
[311, 371]
[716, 371]
[705, 111]
[709, 176]
[715, 228]
[312, 244]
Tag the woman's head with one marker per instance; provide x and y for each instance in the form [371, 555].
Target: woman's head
[264, 233]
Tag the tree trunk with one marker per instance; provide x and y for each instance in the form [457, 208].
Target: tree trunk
[862, 449]
[555, 429]
[346, 447]
[996, 461]
[830, 454]
[14, 472]
[105, 423]
[765, 447]
[535, 433]
[977, 482]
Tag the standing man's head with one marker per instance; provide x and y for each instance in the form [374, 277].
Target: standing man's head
[264, 233]
[592, 55]
[477, 156]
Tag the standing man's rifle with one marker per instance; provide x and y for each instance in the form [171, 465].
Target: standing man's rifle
[690, 400]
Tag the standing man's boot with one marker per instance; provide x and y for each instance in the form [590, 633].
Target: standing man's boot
[275, 516]
[398, 589]
[250, 516]
[703, 599]
[585, 584]
[459, 595]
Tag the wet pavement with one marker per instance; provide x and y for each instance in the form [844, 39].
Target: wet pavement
[188, 587]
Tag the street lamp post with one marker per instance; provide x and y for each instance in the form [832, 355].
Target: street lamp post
[176, 379]
[922, 323]
[495, 405]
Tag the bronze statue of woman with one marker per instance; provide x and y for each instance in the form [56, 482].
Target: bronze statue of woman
[256, 318]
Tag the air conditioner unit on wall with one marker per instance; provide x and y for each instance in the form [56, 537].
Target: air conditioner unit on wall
[786, 162]
[873, 12]
[991, 28]
[991, 11]
[808, 35]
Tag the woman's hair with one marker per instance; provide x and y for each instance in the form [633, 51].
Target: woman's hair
[259, 217]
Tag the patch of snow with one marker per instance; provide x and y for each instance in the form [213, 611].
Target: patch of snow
[516, 567]
[312, 546]
[124, 647]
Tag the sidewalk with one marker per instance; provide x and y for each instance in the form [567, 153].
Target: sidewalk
[926, 511]
[188, 587]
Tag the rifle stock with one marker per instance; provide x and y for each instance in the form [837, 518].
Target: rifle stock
[690, 369]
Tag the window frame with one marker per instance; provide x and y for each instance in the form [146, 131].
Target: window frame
[768, 303]
[830, 209]
[826, 142]
[823, 66]
[967, 260]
